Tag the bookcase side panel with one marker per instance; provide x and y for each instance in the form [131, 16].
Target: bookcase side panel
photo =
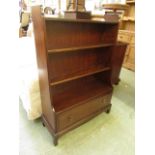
[40, 44]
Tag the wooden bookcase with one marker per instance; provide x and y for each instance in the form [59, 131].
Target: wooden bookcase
[127, 34]
[77, 67]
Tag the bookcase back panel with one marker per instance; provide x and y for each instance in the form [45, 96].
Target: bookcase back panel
[72, 34]
[62, 66]
[82, 82]
[77, 91]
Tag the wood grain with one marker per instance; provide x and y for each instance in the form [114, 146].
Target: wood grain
[40, 44]
[78, 60]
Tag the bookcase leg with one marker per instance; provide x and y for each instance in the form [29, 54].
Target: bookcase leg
[43, 124]
[117, 82]
[108, 110]
[55, 141]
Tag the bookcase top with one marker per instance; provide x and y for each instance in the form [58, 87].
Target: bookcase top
[92, 20]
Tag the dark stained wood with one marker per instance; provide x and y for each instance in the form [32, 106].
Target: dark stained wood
[77, 113]
[78, 48]
[91, 72]
[85, 119]
[77, 93]
[93, 20]
[40, 42]
[62, 34]
[76, 63]
[117, 61]
[65, 67]
[51, 130]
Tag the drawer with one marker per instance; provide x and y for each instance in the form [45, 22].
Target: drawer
[124, 37]
[80, 112]
[131, 60]
[132, 39]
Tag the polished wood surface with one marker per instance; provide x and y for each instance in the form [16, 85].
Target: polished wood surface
[77, 113]
[40, 44]
[71, 49]
[77, 67]
[92, 20]
[76, 93]
[63, 67]
[117, 61]
[70, 33]
[91, 72]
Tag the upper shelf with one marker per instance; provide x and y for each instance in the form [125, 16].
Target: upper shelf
[78, 48]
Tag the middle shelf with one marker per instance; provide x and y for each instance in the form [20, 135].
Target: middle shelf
[71, 49]
[90, 72]
[66, 67]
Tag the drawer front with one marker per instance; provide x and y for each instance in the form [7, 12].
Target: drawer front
[124, 37]
[133, 39]
[78, 113]
[132, 61]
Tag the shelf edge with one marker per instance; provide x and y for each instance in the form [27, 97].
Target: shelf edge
[77, 77]
[78, 48]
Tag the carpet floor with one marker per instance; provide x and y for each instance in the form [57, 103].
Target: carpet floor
[106, 134]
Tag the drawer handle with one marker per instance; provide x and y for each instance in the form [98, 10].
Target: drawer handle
[69, 118]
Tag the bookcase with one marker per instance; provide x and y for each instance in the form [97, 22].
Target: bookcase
[77, 68]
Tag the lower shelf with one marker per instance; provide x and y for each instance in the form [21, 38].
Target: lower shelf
[80, 92]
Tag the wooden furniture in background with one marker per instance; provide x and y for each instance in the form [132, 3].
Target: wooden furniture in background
[113, 11]
[128, 20]
[115, 7]
[78, 61]
[127, 34]
[78, 10]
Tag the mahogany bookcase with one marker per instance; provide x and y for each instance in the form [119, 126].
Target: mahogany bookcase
[78, 62]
